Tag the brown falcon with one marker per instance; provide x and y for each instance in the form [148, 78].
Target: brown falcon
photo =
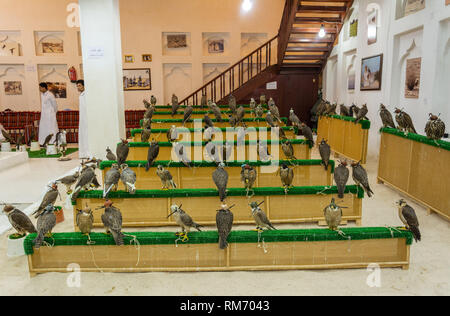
[224, 222]
[122, 152]
[248, 177]
[341, 175]
[85, 220]
[45, 224]
[19, 220]
[49, 198]
[386, 117]
[409, 218]
[404, 121]
[333, 215]
[435, 128]
[112, 220]
[184, 221]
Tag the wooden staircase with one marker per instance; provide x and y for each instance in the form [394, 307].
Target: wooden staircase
[300, 46]
[296, 49]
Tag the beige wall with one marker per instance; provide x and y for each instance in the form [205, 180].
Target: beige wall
[143, 24]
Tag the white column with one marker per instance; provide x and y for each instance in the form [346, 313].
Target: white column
[102, 66]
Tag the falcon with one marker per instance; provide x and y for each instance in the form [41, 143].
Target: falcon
[85, 180]
[19, 221]
[260, 218]
[325, 152]
[128, 178]
[346, 111]
[184, 221]
[172, 134]
[68, 181]
[409, 219]
[111, 181]
[259, 111]
[288, 150]
[359, 175]
[45, 224]
[48, 199]
[224, 222]
[152, 154]
[355, 109]
[307, 133]
[248, 176]
[208, 121]
[270, 120]
[341, 175]
[386, 117]
[252, 105]
[295, 121]
[47, 140]
[273, 109]
[263, 152]
[213, 152]
[203, 101]
[181, 154]
[226, 152]
[109, 155]
[404, 121]
[216, 111]
[175, 105]
[232, 104]
[287, 176]
[85, 221]
[220, 178]
[153, 100]
[145, 135]
[187, 113]
[361, 114]
[112, 220]
[8, 137]
[333, 215]
[263, 99]
[122, 152]
[166, 178]
[435, 128]
[240, 113]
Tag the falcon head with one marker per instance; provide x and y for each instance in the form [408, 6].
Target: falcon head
[174, 208]
[7, 209]
[401, 203]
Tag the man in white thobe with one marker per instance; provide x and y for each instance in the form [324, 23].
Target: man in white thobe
[83, 145]
[48, 124]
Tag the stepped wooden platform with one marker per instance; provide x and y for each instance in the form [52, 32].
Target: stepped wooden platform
[299, 205]
[165, 115]
[310, 249]
[306, 173]
[196, 150]
[253, 133]
[417, 167]
[345, 138]
[249, 122]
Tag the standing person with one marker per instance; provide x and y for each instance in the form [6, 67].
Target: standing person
[48, 123]
[83, 126]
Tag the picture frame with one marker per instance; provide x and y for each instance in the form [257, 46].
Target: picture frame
[216, 46]
[129, 59]
[177, 41]
[13, 87]
[137, 79]
[413, 6]
[59, 89]
[412, 80]
[371, 73]
[52, 46]
[146, 58]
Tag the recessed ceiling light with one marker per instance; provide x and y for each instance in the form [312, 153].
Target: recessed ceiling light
[322, 32]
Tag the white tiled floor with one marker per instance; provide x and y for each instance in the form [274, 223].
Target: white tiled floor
[429, 272]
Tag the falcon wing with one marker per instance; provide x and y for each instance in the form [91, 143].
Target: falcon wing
[410, 216]
[22, 221]
[186, 220]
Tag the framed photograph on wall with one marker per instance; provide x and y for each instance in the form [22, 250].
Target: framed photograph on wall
[176, 41]
[412, 82]
[412, 6]
[216, 46]
[371, 73]
[129, 59]
[146, 58]
[13, 87]
[136, 79]
[59, 89]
